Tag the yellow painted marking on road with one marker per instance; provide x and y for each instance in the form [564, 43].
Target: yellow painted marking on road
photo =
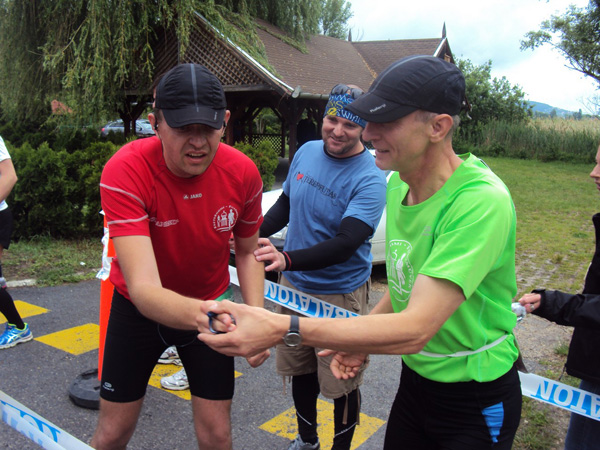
[165, 370]
[285, 425]
[25, 310]
[76, 340]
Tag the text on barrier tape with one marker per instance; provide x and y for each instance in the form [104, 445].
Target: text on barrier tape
[33, 426]
[297, 301]
[545, 390]
[558, 394]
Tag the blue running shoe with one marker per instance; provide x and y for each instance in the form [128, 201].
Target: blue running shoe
[13, 336]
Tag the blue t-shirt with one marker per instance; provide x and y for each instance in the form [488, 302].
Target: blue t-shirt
[323, 190]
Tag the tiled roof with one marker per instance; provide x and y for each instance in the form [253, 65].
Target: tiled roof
[326, 62]
[380, 54]
[329, 60]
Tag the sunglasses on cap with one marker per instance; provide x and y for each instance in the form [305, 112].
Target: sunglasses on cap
[342, 89]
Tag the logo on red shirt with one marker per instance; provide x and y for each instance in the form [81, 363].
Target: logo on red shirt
[225, 218]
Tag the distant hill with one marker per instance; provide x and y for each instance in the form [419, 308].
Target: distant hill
[544, 108]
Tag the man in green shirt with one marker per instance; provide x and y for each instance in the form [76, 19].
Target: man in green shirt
[451, 228]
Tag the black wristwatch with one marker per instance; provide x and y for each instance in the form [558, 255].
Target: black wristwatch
[292, 338]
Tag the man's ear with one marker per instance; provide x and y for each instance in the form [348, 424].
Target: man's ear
[440, 127]
[153, 123]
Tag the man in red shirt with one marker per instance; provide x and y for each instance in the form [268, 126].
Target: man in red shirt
[171, 203]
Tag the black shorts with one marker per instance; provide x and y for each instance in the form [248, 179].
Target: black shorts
[429, 415]
[134, 344]
[6, 227]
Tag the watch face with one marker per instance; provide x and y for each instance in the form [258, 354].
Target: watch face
[292, 339]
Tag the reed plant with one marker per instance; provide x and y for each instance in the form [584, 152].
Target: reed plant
[573, 141]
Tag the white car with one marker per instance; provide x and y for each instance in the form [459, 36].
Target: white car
[378, 241]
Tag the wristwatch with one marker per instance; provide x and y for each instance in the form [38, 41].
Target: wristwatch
[292, 338]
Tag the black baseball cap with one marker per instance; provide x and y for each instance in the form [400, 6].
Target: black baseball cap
[190, 94]
[415, 82]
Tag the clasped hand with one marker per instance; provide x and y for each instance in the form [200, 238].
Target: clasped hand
[223, 321]
[267, 253]
[344, 365]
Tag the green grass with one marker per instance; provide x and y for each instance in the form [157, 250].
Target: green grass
[533, 430]
[555, 236]
[52, 262]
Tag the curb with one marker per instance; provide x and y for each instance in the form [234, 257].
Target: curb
[21, 283]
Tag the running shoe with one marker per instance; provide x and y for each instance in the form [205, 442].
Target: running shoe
[170, 356]
[176, 382]
[13, 336]
[299, 444]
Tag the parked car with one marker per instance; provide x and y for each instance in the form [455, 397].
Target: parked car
[143, 128]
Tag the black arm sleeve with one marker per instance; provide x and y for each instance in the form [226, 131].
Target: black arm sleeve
[351, 234]
[576, 310]
[277, 217]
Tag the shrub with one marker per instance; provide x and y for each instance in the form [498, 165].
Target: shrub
[57, 193]
[266, 159]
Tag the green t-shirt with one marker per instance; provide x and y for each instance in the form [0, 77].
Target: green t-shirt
[464, 233]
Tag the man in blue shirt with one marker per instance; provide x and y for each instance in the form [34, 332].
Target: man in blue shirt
[332, 202]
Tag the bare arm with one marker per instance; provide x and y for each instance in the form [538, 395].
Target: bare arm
[137, 261]
[8, 178]
[432, 302]
[251, 273]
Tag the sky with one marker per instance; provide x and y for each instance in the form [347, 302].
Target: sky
[482, 30]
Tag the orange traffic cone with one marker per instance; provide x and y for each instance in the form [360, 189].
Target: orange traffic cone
[106, 293]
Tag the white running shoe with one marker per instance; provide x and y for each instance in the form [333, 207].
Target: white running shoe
[176, 382]
[299, 444]
[170, 356]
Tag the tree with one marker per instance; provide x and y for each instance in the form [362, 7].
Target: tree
[576, 35]
[87, 53]
[336, 14]
[491, 99]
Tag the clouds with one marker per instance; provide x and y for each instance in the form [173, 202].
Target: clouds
[483, 30]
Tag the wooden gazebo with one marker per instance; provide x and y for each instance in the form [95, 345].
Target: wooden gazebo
[295, 82]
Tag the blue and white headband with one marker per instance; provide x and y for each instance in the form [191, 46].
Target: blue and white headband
[336, 107]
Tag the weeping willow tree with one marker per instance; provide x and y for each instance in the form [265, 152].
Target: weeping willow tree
[87, 52]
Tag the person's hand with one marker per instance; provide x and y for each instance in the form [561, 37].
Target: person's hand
[531, 302]
[216, 323]
[344, 365]
[248, 330]
[258, 359]
[266, 252]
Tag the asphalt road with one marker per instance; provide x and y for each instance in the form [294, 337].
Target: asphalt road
[39, 375]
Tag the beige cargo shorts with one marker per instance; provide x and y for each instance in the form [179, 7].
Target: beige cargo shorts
[302, 360]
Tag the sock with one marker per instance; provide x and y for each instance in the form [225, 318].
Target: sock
[7, 307]
[305, 391]
[345, 418]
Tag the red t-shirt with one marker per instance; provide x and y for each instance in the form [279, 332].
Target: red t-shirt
[189, 220]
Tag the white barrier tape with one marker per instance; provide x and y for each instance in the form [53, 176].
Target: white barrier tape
[33, 426]
[297, 301]
[534, 386]
[558, 394]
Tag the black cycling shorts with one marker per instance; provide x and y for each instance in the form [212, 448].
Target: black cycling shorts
[429, 415]
[134, 344]
[6, 227]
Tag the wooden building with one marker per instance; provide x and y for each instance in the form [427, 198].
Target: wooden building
[295, 81]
